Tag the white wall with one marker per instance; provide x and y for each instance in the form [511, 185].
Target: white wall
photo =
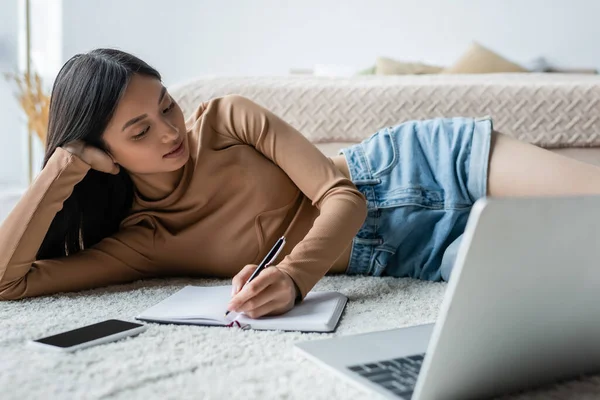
[188, 38]
[46, 58]
[12, 135]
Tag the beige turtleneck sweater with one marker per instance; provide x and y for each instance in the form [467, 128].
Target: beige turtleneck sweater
[250, 179]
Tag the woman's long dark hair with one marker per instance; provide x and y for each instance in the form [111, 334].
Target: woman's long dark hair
[84, 98]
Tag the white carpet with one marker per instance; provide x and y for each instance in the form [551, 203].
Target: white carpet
[192, 362]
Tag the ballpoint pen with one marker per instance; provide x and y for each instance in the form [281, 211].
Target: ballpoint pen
[271, 255]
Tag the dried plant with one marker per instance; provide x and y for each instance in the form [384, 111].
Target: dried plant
[34, 102]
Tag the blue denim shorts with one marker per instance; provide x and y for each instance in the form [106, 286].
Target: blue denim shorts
[420, 179]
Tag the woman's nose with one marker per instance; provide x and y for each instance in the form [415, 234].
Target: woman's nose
[170, 131]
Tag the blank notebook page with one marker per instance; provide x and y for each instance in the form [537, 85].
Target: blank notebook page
[200, 305]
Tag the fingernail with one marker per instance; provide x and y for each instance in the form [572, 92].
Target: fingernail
[233, 290]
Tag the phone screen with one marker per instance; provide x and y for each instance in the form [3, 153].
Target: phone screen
[88, 333]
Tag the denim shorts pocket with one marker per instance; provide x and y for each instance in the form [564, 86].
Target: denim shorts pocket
[411, 195]
[381, 152]
[380, 260]
[369, 257]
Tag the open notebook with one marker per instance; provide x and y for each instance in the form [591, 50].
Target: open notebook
[206, 305]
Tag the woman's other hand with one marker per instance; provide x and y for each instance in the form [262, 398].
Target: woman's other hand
[95, 157]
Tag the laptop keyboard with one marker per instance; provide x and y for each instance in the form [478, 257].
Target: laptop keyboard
[398, 375]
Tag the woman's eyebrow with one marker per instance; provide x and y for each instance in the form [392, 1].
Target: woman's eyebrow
[140, 117]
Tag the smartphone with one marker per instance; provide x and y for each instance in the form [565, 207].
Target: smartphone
[90, 335]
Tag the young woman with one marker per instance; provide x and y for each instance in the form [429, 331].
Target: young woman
[129, 190]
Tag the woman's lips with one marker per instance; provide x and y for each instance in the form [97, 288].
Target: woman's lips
[177, 152]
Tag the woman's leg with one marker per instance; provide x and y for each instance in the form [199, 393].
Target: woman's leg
[518, 168]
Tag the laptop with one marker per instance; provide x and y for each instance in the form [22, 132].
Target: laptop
[521, 309]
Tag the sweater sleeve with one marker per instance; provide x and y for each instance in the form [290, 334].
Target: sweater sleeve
[342, 207]
[112, 260]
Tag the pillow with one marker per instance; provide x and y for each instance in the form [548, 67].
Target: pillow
[387, 66]
[367, 71]
[480, 60]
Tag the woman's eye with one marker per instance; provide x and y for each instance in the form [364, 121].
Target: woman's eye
[166, 110]
[140, 135]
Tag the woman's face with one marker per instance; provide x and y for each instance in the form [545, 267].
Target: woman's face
[145, 127]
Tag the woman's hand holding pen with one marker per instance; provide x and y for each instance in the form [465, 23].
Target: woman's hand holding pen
[272, 292]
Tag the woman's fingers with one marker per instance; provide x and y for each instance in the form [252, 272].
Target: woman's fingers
[265, 309]
[259, 302]
[241, 278]
[97, 159]
[100, 160]
[259, 284]
[272, 292]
